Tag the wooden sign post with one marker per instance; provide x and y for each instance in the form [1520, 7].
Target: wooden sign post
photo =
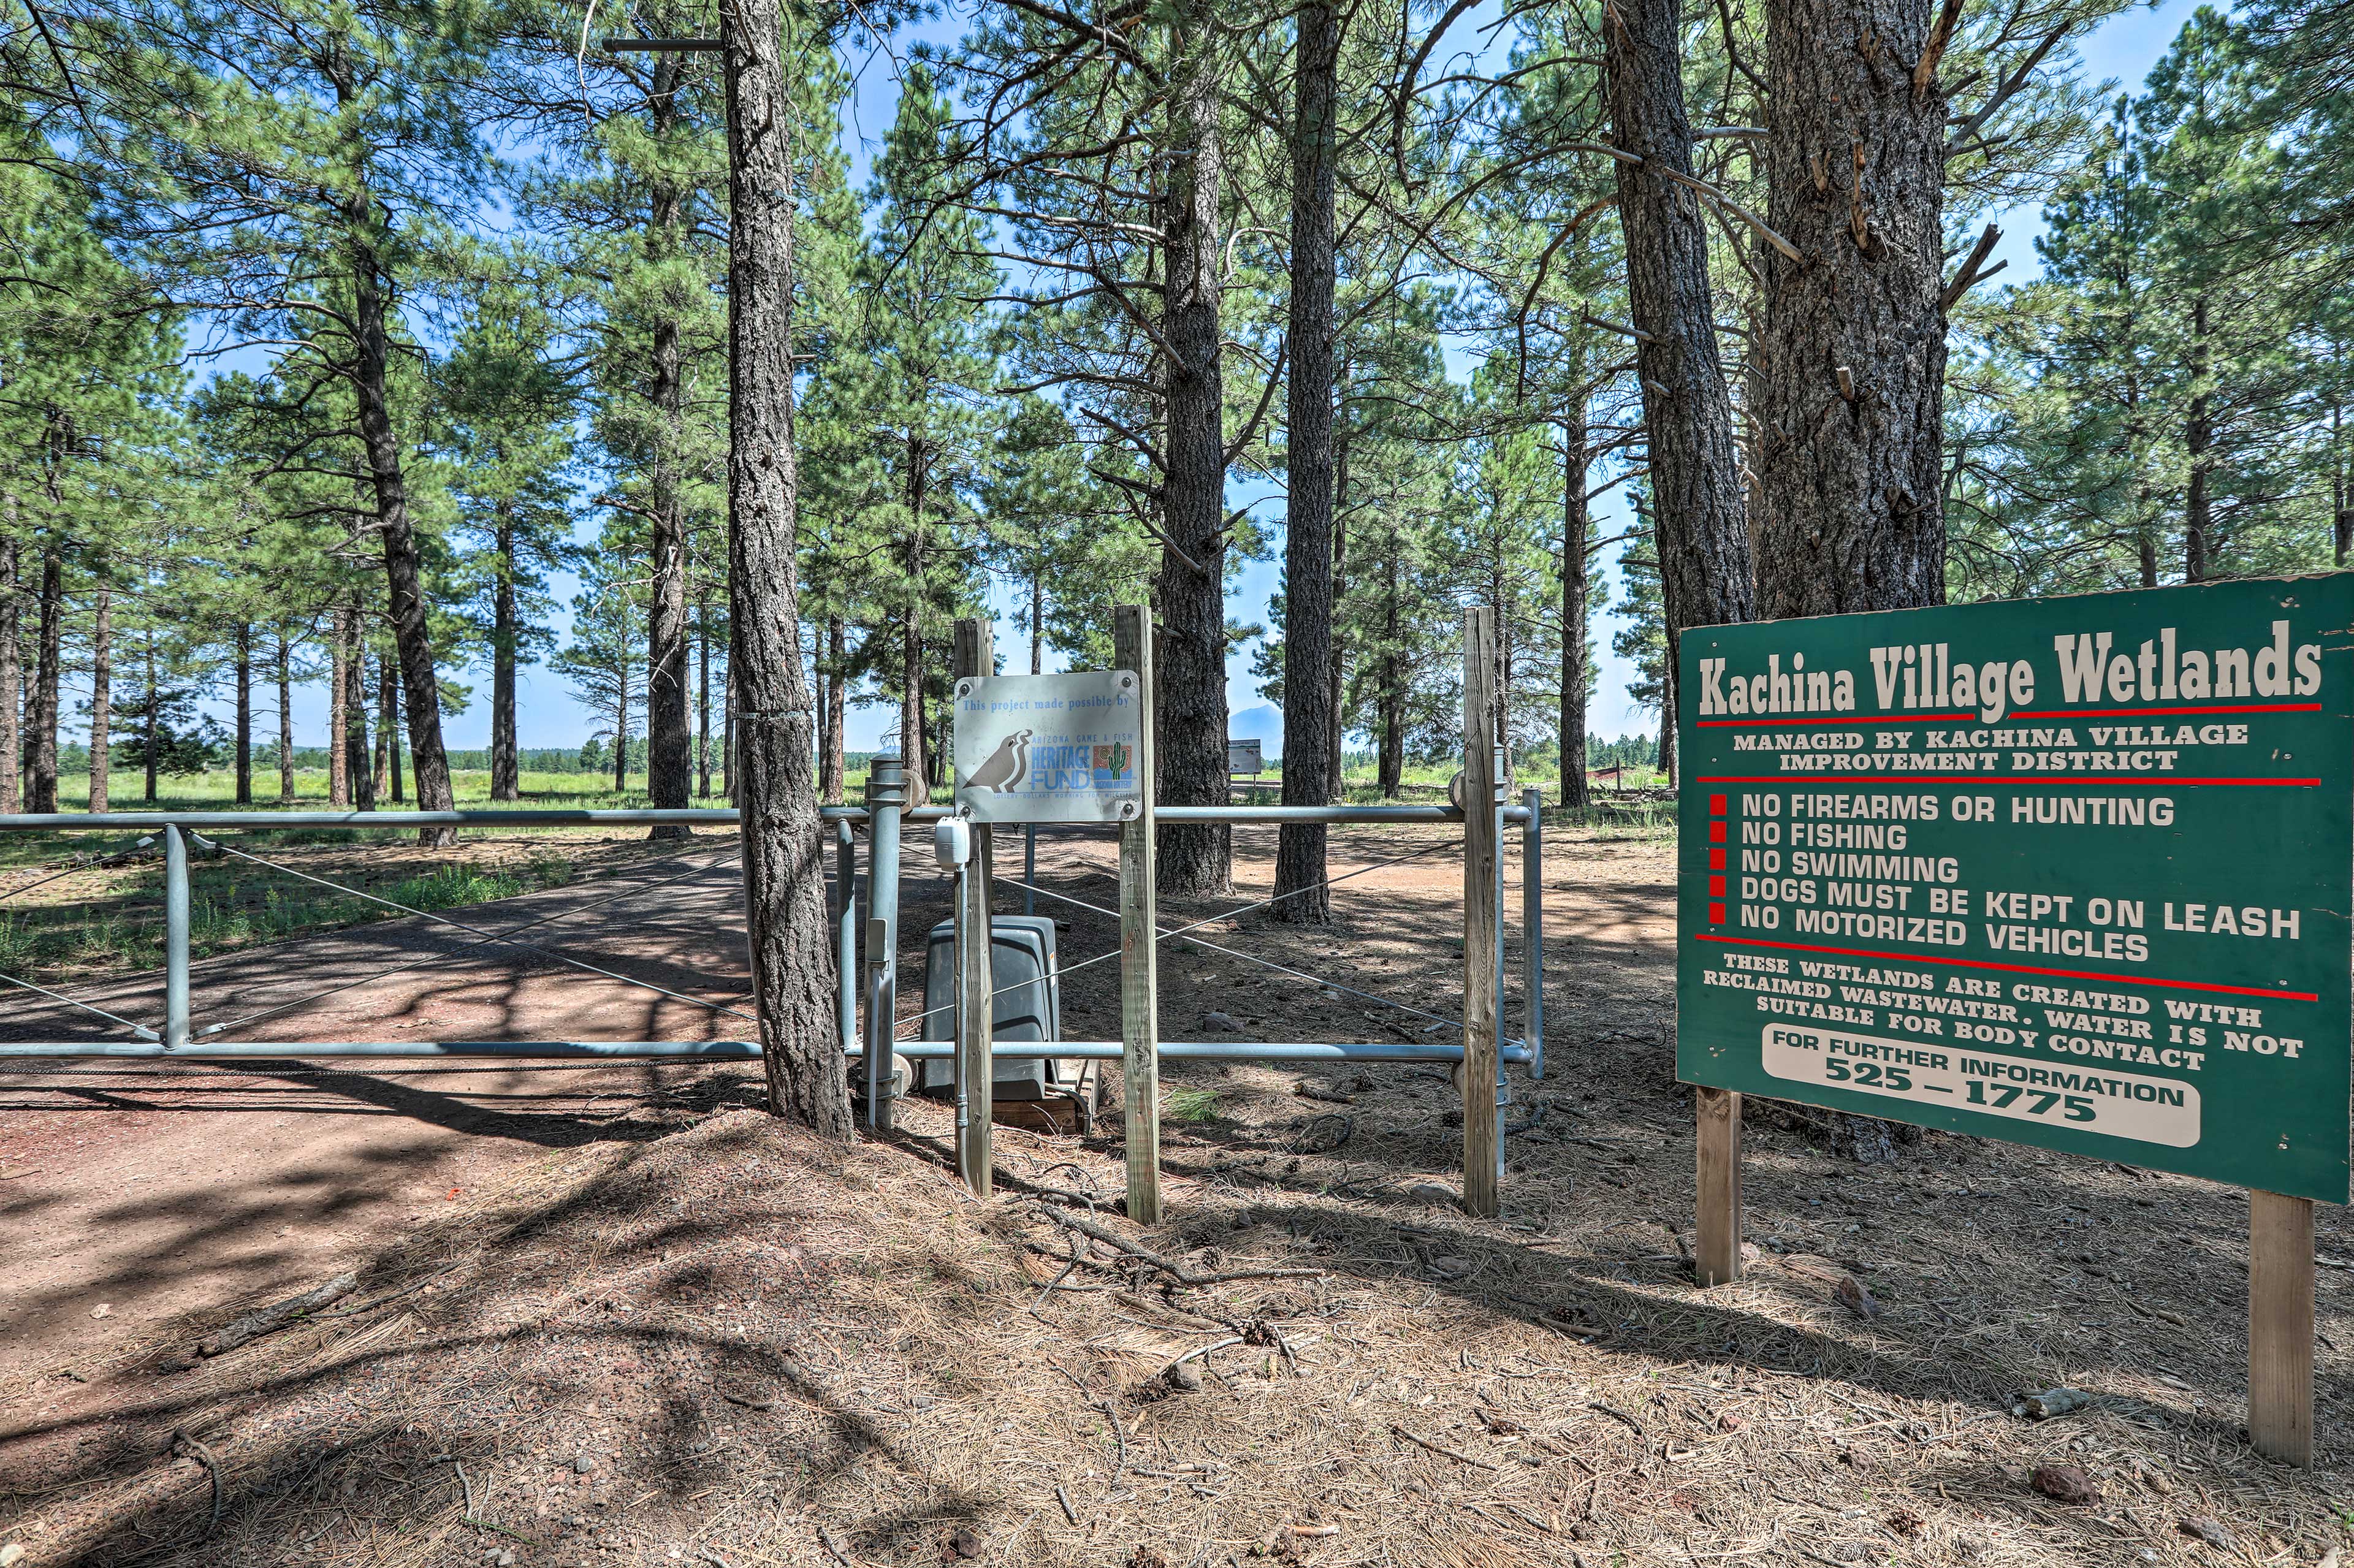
[1140, 972]
[2073, 872]
[1480, 934]
[976, 976]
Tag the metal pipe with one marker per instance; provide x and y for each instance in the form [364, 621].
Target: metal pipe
[380, 822]
[519, 1050]
[1200, 1051]
[694, 816]
[728, 1050]
[1532, 925]
[175, 938]
[886, 796]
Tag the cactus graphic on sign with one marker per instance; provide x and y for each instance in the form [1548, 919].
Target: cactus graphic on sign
[1048, 749]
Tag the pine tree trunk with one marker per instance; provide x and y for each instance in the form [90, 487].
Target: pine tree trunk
[703, 698]
[339, 691]
[151, 722]
[1390, 768]
[1308, 708]
[506, 769]
[621, 733]
[404, 567]
[285, 721]
[1854, 348]
[102, 696]
[1667, 726]
[911, 698]
[1190, 655]
[727, 723]
[669, 760]
[2198, 442]
[784, 845]
[837, 762]
[1038, 613]
[1335, 755]
[48, 648]
[355, 710]
[391, 723]
[382, 764]
[1576, 526]
[12, 670]
[1703, 533]
[244, 678]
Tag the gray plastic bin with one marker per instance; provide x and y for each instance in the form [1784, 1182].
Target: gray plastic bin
[1029, 1005]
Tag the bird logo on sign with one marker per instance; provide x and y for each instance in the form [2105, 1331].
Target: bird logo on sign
[1006, 767]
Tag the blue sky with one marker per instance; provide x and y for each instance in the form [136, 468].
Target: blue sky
[2121, 49]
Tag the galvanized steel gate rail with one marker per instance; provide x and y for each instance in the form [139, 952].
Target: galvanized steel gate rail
[884, 814]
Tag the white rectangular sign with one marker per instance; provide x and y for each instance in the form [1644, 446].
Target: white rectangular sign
[1048, 749]
[1245, 757]
[2082, 1094]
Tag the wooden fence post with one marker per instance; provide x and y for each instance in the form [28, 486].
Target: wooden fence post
[1480, 947]
[1716, 1254]
[1139, 975]
[976, 976]
[2280, 1326]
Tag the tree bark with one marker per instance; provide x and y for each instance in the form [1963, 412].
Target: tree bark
[1702, 529]
[1854, 347]
[1854, 342]
[244, 678]
[12, 670]
[2197, 444]
[668, 745]
[1308, 707]
[285, 721]
[380, 763]
[404, 566]
[151, 721]
[339, 691]
[1576, 526]
[912, 738]
[102, 696]
[1189, 657]
[621, 730]
[784, 844]
[355, 709]
[506, 768]
[836, 719]
[727, 727]
[389, 673]
[702, 696]
[48, 647]
[1390, 768]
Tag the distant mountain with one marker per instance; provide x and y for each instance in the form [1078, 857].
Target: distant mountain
[1263, 724]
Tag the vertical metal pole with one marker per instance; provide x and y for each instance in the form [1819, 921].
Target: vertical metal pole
[1481, 1060]
[1532, 925]
[886, 796]
[976, 981]
[1029, 868]
[1139, 955]
[176, 939]
[845, 940]
[1504, 1088]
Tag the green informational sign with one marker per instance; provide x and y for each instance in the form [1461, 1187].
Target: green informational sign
[2068, 872]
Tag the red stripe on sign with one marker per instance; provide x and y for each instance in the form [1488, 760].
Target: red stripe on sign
[2223, 708]
[1834, 719]
[1925, 779]
[2011, 969]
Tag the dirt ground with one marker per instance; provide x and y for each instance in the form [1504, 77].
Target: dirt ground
[659, 1327]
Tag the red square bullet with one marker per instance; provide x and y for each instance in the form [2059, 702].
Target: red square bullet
[1716, 914]
[1716, 859]
[1716, 805]
[1716, 832]
[1716, 887]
